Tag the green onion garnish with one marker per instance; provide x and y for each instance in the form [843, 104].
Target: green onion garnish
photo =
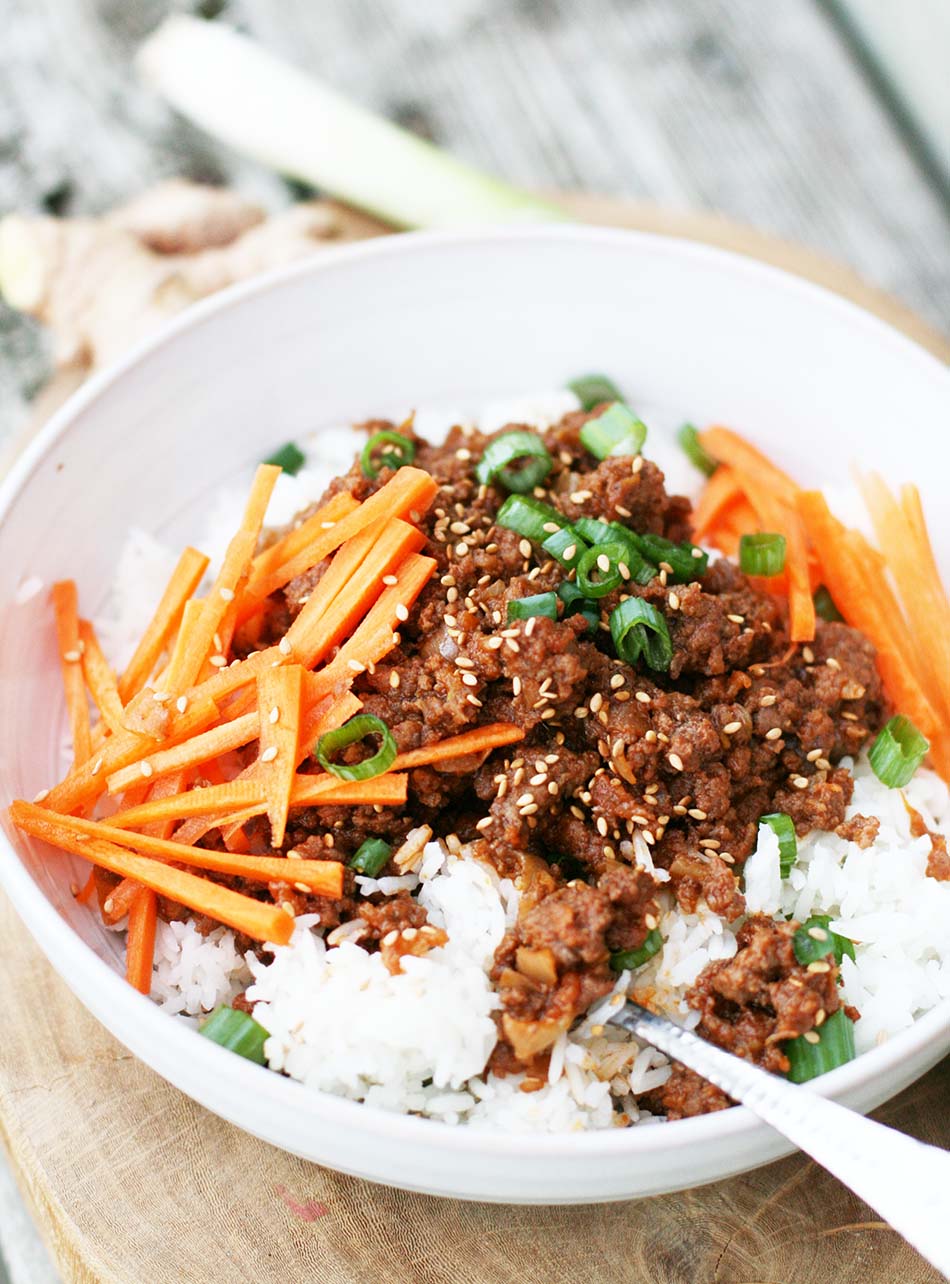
[565, 546]
[517, 460]
[386, 450]
[688, 561]
[290, 458]
[783, 828]
[237, 1032]
[594, 530]
[370, 857]
[897, 752]
[523, 608]
[825, 605]
[814, 940]
[603, 561]
[594, 389]
[530, 517]
[833, 1047]
[638, 629]
[762, 554]
[597, 532]
[617, 431]
[688, 438]
[625, 960]
[575, 603]
[351, 733]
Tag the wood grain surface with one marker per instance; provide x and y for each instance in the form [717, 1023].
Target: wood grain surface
[133, 1183]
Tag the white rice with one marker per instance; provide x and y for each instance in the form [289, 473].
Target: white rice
[419, 1041]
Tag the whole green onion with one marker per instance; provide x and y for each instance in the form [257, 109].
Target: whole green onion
[897, 752]
[517, 460]
[825, 605]
[687, 561]
[688, 438]
[351, 733]
[565, 546]
[638, 629]
[400, 451]
[594, 389]
[832, 1047]
[524, 608]
[783, 828]
[815, 939]
[616, 431]
[370, 857]
[626, 960]
[290, 458]
[530, 517]
[236, 1031]
[762, 554]
[605, 561]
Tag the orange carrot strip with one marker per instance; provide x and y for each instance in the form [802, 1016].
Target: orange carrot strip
[730, 448]
[775, 515]
[737, 520]
[184, 580]
[865, 601]
[100, 679]
[481, 740]
[189, 753]
[140, 941]
[298, 540]
[119, 901]
[70, 660]
[172, 679]
[720, 493]
[167, 787]
[255, 918]
[85, 896]
[279, 693]
[408, 493]
[313, 791]
[323, 877]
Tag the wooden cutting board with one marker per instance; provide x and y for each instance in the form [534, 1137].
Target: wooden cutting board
[132, 1183]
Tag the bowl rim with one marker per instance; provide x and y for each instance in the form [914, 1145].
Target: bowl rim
[85, 972]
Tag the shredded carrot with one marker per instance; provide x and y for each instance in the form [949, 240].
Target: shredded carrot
[728, 447]
[85, 895]
[268, 562]
[408, 493]
[100, 680]
[736, 520]
[775, 515]
[119, 901]
[166, 787]
[279, 695]
[140, 941]
[189, 753]
[70, 661]
[184, 580]
[720, 494]
[479, 741]
[172, 679]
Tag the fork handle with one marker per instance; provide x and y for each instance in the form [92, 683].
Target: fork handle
[906, 1181]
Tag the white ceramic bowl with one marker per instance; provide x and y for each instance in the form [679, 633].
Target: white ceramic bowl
[430, 319]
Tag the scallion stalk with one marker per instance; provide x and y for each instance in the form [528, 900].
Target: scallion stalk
[371, 857]
[575, 603]
[238, 1032]
[565, 546]
[290, 458]
[386, 450]
[897, 752]
[615, 431]
[601, 570]
[825, 605]
[593, 390]
[530, 517]
[626, 960]
[688, 438]
[687, 562]
[814, 940]
[821, 1050]
[783, 828]
[762, 554]
[351, 733]
[525, 608]
[639, 630]
[517, 460]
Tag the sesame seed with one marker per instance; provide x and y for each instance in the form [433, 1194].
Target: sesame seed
[832, 663]
[72, 657]
[461, 550]
[41, 796]
[553, 787]
[390, 938]
[269, 754]
[284, 646]
[713, 844]
[356, 666]
[601, 826]
[181, 704]
[484, 823]
[401, 612]
[596, 702]
[736, 619]
[643, 697]
[774, 734]
[226, 594]
[470, 679]
[727, 857]
[675, 761]
[637, 464]
[813, 755]
[473, 700]
[767, 701]
[617, 681]
[524, 548]
[146, 769]
[97, 766]
[731, 728]
[293, 854]
[529, 810]
[460, 528]
[539, 778]
[808, 655]
[548, 715]
[810, 1036]
[679, 810]
[108, 905]
[822, 764]
[516, 685]
[622, 697]
[529, 627]
[570, 551]
[697, 813]
[463, 453]
[394, 679]
[820, 1016]
[274, 715]
[390, 581]
[218, 644]
[819, 967]
[161, 697]
[674, 601]
[799, 782]
[650, 737]
[494, 643]
[218, 661]
[651, 921]
[450, 621]
[818, 934]
[580, 712]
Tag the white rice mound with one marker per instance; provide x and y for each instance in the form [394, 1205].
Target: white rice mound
[419, 1041]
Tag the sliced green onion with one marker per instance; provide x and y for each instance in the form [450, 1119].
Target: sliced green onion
[386, 450]
[290, 457]
[530, 517]
[688, 438]
[593, 390]
[834, 1047]
[783, 828]
[617, 431]
[814, 940]
[575, 603]
[238, 1032]
[523, 608]
[762, 554]
[565, 546]
[604, 561]
[626, 960]
[370, 857]
[593, 529]
[351, 733]
[517, 460]
[825, 605]
[688, 561]
[639, 630]
[597, 532]
[897, 752]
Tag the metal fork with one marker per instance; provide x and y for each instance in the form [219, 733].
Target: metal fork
[906, 1181]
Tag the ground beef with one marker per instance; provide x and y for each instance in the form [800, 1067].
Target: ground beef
[862, 830]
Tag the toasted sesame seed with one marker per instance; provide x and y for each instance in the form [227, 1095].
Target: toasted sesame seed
[461, 550]
[679, 810]
[72, 657]
[774, 734]
[643, 697]
[473, 700]
[731, 728]
[540, 778]
[528, 810]
[516, 685]
[41, 796]
[799, 782]
[818, 934]
[524, 548]
[284, 646]
[181, 704]
[822, 764]
[401, 612]
[650, 737]
[581, 712]
[450, 621]
[529, 627]
[697, 813]
[390, 581]
[767, 701]
[617, 681]
[470, 679]
[484, 823]
[674, 601]
[813, 755]
[736, 619]
[820, 1016]
[601, 826]
[553, 787]
[808, 655]
[390, 938]
[713, 844]
[832, 663]
[810, 1036]
[596, 702]
[146, 769]
[675, 761]
[819, 967]
[512, 645]
[548, 715]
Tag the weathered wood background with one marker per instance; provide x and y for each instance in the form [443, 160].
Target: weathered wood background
[757, 111]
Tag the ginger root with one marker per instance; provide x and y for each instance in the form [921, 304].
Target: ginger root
[101, 284]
